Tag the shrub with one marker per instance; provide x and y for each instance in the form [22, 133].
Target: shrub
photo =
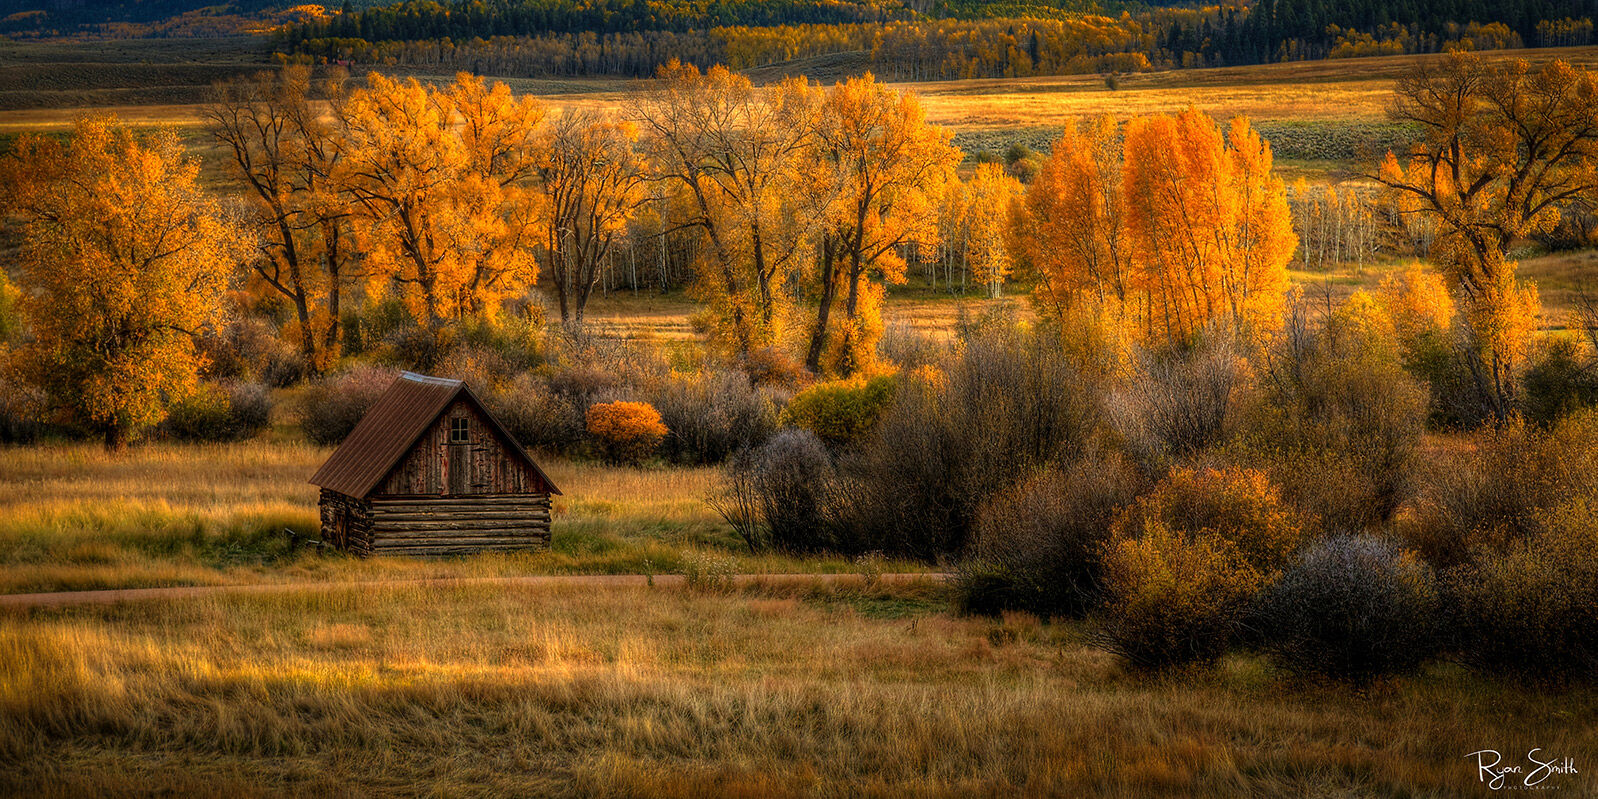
[1490, 490]
[1561, 380]
[1177, 403]
[1339, 420]
[1353, 608]
[1008, 405]
[332, 407]
[779, 495]
[1238, 505]
[841, 413]
[1532, 609]
[1173, 598]
[536, 416]
[21, 407]
[627, 432]
[713, 414]
[771, 366]
[1038, 544]
[220, 413]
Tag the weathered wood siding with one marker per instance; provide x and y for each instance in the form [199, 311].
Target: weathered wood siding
[459, 525]
[346, 522]
[491, 468]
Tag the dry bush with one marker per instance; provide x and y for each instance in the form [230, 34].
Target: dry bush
[1562, 379]
[627, 432]
[1491, 491]
[220, 413]
[331, 407]
[712, 414]
[844, 412]
[1531, 609]
[1007, 405]
[771, 366]
[1177, 402]
[249, 348]
[1185, 561]
[1172, 597]
[1036, 547]
[1337, 420]
[536, 415]
[1352, 608]
[779, 495]
[1241, 506]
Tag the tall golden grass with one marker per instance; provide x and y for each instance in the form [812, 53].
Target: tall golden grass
[668, 692]
[73, 517]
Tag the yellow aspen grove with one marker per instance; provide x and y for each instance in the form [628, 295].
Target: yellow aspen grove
[282, 152]
[1071, 227]
[992, 191]
[1210, 225]
[439, 178]
[1505, 148]
[591, 184]
[124, 259]
[893, 167]
[743, 161]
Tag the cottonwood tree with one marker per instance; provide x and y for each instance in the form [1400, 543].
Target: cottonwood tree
[1505, 148]
[440, 179]
[283, 152]
[742, 161]
[891, 167]
[591, 184]
[1210, 226]
[125, 259]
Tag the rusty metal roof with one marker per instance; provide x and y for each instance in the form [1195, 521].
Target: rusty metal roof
[388, 432]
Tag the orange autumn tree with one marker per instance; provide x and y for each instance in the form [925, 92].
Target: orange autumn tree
[1505, 149]
[125, 259]
[1170, 227]
[1210, 225]
[440, 179]
[892, 167]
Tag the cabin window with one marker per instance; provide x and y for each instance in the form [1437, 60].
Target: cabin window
[460, 431]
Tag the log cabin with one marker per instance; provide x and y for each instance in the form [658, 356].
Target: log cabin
[428, 471]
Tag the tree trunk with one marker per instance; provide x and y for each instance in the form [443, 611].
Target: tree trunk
[829, 293]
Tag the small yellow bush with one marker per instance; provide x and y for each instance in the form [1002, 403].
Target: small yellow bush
[842, 412]
[627, 432]
[1174, 597]
[1239, 505]
[1183, 564]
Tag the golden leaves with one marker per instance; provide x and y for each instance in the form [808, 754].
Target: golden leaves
[125, 257]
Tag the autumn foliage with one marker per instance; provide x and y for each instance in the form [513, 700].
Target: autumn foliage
[627, 432]
[128, 258]
[1170, 225]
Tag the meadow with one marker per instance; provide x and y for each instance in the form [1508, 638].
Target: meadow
[74, 518]
[850, 690]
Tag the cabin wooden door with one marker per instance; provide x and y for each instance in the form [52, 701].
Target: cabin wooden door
[459, 464]
[460, 460]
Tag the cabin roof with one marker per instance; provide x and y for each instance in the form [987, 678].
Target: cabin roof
[390, 430]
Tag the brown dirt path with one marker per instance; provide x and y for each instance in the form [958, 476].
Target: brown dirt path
[109, 596]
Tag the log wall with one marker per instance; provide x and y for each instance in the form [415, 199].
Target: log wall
[346, 522]
[417, 525]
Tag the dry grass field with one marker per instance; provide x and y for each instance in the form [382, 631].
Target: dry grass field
[767, 692]
[1345, 90]
[73, 517]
